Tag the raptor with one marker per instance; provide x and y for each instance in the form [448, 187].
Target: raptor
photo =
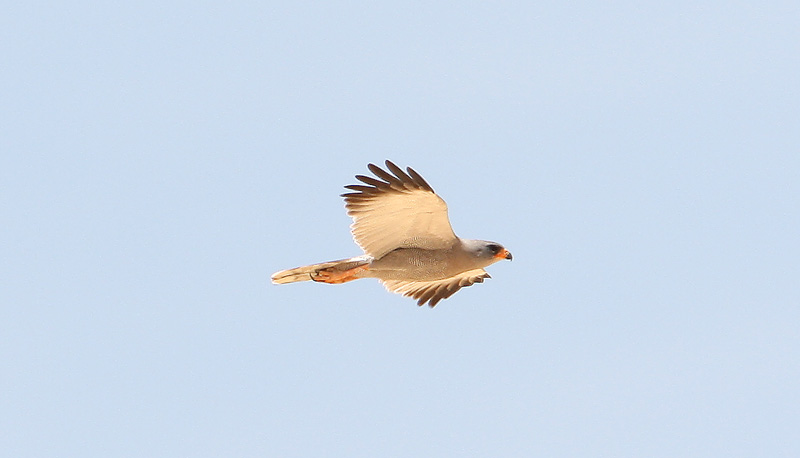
[409, 245]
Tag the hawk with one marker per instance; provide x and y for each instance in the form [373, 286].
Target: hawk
[409, 246]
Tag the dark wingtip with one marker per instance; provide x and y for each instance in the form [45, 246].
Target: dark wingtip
[417, 178]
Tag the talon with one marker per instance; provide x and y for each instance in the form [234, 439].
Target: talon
[331, 276]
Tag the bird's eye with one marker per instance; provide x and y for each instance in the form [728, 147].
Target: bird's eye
[493, 248]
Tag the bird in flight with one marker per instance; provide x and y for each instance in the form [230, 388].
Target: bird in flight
[409, 246]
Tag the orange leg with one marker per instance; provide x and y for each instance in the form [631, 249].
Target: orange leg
[332, 276]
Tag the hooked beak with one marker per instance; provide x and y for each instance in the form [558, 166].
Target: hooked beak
[504, 254]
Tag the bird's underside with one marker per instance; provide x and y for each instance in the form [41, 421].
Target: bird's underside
[404, 230]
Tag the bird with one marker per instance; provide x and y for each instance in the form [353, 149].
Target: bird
[403, 228]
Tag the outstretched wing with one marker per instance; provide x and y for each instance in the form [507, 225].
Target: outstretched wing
[434, 291]
[397, 210]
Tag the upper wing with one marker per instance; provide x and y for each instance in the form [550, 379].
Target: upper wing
[400, 211]
[434, 291]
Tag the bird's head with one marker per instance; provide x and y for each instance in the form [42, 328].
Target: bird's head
[489, 252]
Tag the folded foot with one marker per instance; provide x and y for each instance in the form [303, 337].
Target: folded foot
[334, 276]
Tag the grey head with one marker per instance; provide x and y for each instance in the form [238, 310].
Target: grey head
[488, 252]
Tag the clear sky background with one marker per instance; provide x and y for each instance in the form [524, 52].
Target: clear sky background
[160, 160]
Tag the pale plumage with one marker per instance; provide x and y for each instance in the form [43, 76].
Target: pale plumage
[409, 245]
[435, 290]
[401, 211]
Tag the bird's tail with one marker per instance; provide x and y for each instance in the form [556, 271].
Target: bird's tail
[339, 271]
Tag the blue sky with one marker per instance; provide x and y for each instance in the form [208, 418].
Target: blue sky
[160, 161]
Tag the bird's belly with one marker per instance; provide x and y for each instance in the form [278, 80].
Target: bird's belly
[414, 264]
